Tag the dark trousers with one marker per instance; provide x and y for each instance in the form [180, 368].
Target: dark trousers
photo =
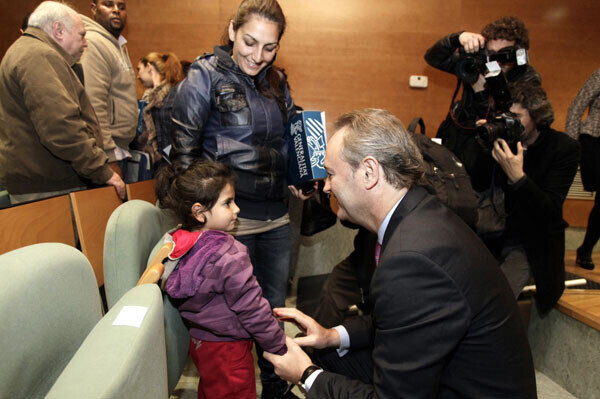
[356, 365]
[270, 256]
[592, 234]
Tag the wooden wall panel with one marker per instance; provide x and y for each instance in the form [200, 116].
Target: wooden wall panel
[346, 54]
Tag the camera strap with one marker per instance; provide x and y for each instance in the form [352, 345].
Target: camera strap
[454, 104]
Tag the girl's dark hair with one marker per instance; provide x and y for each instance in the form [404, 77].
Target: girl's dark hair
[178, 188]
[167, 65]
[270, 10]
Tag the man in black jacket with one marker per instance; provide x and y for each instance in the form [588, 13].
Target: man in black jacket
[457, 131]
[538, 173]
[444, 323]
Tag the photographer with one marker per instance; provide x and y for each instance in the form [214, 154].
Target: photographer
[456, 54]
[539, 172]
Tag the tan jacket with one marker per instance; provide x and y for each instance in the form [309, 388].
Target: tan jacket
[48, 129]
[110, 85]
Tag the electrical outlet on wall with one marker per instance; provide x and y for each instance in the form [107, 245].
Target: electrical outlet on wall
[418, 81]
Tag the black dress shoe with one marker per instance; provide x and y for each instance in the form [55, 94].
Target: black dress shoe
[584, 262]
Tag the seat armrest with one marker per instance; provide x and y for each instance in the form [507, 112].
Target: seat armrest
[120, 361]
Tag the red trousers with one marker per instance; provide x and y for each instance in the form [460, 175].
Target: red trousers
[226, 369]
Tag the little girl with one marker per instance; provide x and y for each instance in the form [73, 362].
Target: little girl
[212, 283]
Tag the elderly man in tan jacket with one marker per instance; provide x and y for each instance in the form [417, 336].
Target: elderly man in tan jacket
[50, 141]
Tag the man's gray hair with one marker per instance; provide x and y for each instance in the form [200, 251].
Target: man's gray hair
[48, 12]
[379, 134]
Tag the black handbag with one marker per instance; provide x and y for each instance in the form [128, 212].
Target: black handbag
[589, 163]
[316, 213]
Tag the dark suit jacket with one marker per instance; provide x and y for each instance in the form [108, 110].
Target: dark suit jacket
[444, 324]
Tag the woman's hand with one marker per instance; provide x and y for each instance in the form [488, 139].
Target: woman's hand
[299, 194]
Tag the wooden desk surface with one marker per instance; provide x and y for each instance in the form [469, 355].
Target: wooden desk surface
[92, 209]
[143, 190]
[582, 305]
[48, 220]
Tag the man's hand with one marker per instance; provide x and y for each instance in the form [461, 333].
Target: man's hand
[291, 365]
[116, 181]
[511, 164]
[471, 42]
[316, 336]
[479, 84]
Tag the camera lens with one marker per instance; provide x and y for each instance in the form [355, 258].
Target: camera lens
[486, 134]
[468, 69]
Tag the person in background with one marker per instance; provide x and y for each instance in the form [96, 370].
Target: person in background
[49, 150]
[233, 107]
[24, 23]
[158, 73]
[588, 133]
[185, 66]
[537, 176]
[212, 282]
[110, 79]
[457, 131]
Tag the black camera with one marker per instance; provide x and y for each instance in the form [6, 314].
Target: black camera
[506, 126]
[471, 65]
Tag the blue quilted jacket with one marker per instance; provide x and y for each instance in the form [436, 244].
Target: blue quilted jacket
[219, 114]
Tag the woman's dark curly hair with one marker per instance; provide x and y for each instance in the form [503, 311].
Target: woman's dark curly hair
[178, 188]
[507, 28]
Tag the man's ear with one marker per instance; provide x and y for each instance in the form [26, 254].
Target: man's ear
[58, 30]
[371, 171]
[94, 8]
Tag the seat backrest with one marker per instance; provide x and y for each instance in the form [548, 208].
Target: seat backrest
[48, 220]
[92, 208]
[131, 232]
[133, 235]
[49, 303]
[124, 360]
[143, 190]
[4, 199]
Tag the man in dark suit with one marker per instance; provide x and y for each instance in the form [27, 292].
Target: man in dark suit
[444, 322]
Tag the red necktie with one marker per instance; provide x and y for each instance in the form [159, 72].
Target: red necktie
[377, 253]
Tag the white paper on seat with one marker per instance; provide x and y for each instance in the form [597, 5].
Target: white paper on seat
[131, 316]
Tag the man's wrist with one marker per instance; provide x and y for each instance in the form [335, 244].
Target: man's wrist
[308, 377]
[333, 338]
[518, 181]
[307, 372]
